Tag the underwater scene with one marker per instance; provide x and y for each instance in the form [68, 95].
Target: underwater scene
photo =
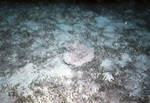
[72, 51]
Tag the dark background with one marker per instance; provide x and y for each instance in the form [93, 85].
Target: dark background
[82, 1]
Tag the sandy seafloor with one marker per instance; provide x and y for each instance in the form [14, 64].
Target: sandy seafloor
[33, 37]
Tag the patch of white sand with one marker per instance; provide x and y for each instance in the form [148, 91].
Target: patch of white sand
[142, 62]
[102, 21]
[107, 64]
[124, 59]
[109, 29]
[24, 76]
[108, 76]
[30, 24]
